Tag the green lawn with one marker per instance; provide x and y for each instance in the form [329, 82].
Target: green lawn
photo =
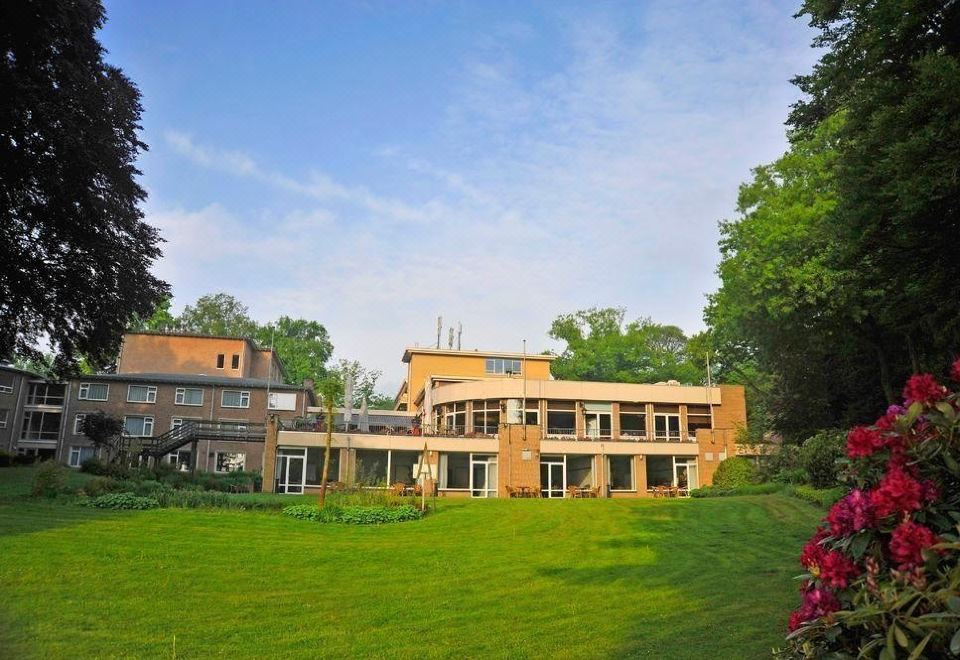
[705, 578]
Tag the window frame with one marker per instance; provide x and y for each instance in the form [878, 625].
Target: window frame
[79, 450]
[144, 418]
[179, 396]
[4, 418]
[77, 420]
[235, 361]
[221, 360]
[632, 461]
[244, 396]
[503, 366]
[83, 392]
[243, 466]
[151, 389]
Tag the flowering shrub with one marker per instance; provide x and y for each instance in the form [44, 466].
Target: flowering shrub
[883, 578]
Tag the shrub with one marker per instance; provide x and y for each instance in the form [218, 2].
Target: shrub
[355, 515]
[6, 458]
[93, 465]
[121, 501]
[100, 486]
[791, 476]
[24, 459]
[823, 497]
[50, 480]
[784, 461]
[819, 456]
[734, 472]
[750, 489]
[883, 569]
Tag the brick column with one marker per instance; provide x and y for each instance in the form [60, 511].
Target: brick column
[270, 452]
[640, 475]
[518, 461]
[615, 420]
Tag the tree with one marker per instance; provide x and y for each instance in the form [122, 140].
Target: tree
[217, 314]
[331, 391]
[102, 430]
[380, 401]
[303, 346]
[364, 381]
[599, 347]
[75, 252]
[162, 320]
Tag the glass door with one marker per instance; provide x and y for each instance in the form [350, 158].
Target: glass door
[291, 470]
[552, 476]
[685, 476]
[483, 476]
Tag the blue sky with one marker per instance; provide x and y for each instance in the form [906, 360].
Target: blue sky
[372, 165]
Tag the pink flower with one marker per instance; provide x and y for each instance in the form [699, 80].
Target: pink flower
[863, 441]
[836, 569]
[955, 370]
[907, 543]
[851, 514]
[889, 418]
[898, 492]
[811, 557]
[923, 388]
[817, 602]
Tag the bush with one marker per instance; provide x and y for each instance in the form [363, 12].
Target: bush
[792, 476]
[783, 461]
[121, 501]
[100, 486]
[734, 472]
[94, 465]
[750, 489]
[50, 480]
[355, 515]
[823, 497]
[883, 569]
[6, 458]
[819, 456]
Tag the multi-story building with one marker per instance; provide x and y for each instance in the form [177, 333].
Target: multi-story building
[31, 413]
[488, 424]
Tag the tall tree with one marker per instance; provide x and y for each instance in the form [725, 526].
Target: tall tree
[162, 319]
[217, 314]
[75, 253]
[303, 346]
[364, 381]
[331, 391]
[601, 347]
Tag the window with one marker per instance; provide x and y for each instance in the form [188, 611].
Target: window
[45, 394]
[315, 465]
[372, 467]
[78, 423]
[234, 399]
[177, 422]
[189, 396]
[501, 366]
[633, 421]
[666, 427]
[698, 417]
[93, 391]
[220, 361]
[597, 420]
[486, 416]
[141, 394]
[621, 472]
[138, 427]
[561, 418]
[455, 418]
[531, 416]
[179, 459]
[283, 401]
[228, 461]
[235, 361]
[4, 415]
[455, 471]
[6, 383]
[40, 425]
[659, 471]
[79, 454]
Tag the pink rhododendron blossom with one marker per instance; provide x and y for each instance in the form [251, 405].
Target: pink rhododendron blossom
[836, 569]
[907, 543]
[898, 492]
[923, 388]
[863, 441]
[851, 514]
[817, 602]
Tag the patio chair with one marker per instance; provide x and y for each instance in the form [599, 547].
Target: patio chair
[511, 491]
[537, 491]
[574, 491]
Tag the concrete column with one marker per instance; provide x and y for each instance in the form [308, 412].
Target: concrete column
[270, 452]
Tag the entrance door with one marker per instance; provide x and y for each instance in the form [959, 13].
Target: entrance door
[552, 478]
[483, 476]
[290, 473]
[685, 475]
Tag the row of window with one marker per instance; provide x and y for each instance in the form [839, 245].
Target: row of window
[184, 396]
[503, 367]
[225, 461]
[234, 361]
[141, 426]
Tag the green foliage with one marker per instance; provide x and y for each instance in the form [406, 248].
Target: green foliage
[819, 456]
[161, 320]
[735, 472]
[217, 314]
[599, 347]
[100, 486]
[6, 458]
[781, 461]
[364, 383]
[50, 480]
[355, 515]
[750, 489]
[101, 429]
[823, 497]
[120, 501]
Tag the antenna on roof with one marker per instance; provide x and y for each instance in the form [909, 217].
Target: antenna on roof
[459, 333]
[439, 329]
[450, 339]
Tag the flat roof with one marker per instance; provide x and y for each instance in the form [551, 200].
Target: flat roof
[189, 379]
[410, 350]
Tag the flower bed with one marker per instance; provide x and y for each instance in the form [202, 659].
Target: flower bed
[883, 578]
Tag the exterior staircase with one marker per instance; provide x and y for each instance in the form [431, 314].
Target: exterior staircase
[191, 431]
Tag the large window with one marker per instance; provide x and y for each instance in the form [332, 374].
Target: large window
[561, 418]
[620, 469]
[40, 425]
[403, 466]
[486, 416]
[93, 391]
[698, 417]
[235, 399]
[78, 423]
[138, 426]
[315, 465]
[230, 461]
[531, 416]
[371, 467]
[45, 394]
[142, 394]
[501, 366]
[580, 471]
[597, 419]
[79, 454]
[455, 471]
[455, 418]
[659, 471]
[189, 396]
[666, 425]
[633, 421]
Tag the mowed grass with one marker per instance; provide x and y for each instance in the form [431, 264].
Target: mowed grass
[708, 578]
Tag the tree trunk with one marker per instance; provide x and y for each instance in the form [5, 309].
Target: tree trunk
[326, 454]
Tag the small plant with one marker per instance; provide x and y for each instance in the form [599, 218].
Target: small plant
[121, 501]
[819, 456]
[100, 486]
[823, 497]
[94, 465]
[750, 489]
[354, 515]
[50, 480]
[735, 472]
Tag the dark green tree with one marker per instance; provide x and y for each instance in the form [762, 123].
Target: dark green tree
[217, 314]
[601, 347]
[75, 253]
[303, 346]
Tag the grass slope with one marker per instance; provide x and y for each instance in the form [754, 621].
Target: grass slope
[499, 578]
